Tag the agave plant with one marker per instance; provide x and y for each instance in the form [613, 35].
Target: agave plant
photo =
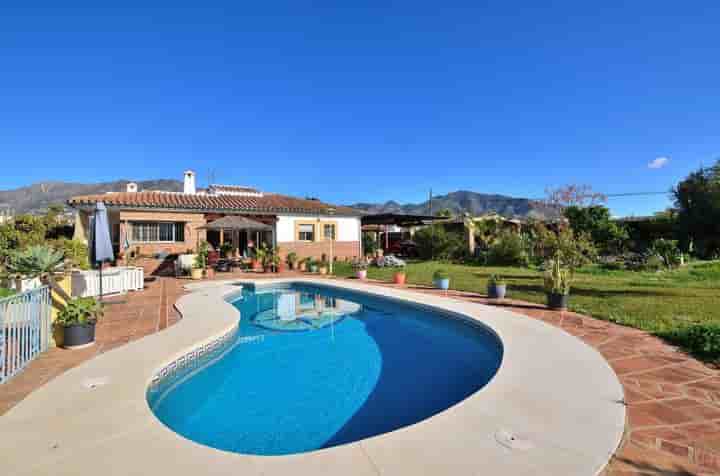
[38, 261]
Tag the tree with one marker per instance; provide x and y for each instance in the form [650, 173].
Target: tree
[697, 199]
[573, 250]
[434, 242]
[444, 213]
[574, 196]
[595, 220]
[31, 230]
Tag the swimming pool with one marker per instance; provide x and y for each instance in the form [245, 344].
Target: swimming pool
[313, 367]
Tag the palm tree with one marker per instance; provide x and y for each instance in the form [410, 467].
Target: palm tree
[39, 261]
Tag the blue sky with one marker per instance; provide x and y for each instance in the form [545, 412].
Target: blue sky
[379, 101]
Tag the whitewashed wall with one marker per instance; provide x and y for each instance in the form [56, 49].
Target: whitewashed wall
[348, 227]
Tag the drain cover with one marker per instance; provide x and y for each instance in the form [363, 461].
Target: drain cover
[513, 441]
[92, 383]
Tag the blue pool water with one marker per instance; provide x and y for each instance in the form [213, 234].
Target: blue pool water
[315, 367]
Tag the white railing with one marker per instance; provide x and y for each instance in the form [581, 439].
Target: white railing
[25, 328]
[114, 281]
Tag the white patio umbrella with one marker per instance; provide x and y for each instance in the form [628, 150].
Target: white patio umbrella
[100, 243]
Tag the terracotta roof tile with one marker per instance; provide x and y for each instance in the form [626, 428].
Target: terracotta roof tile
[268, 203]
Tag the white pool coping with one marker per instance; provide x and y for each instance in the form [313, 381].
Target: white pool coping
[556, 395]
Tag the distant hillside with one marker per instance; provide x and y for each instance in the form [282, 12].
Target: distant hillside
[464, 201]
[36, 197]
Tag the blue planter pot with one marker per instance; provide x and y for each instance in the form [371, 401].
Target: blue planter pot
[443, 284]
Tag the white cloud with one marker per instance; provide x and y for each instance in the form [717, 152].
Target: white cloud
[658, 163]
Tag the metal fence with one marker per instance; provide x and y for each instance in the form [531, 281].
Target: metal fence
[25, 329]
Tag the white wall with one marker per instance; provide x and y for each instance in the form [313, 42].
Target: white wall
[348, 227]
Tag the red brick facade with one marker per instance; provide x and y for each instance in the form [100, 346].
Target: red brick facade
[305, 249]
[192, 222]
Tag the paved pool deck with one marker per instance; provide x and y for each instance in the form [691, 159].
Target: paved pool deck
[673, 424]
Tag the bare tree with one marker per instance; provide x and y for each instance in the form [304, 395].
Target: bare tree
[574, 196]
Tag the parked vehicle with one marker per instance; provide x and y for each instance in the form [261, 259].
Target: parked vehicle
[407, 248]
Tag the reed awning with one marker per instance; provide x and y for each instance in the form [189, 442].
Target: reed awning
[236, 222]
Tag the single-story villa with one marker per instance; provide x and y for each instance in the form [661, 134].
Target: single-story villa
[153, 222]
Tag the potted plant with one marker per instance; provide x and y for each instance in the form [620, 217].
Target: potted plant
[302, 265]
[312, 265]
[291, 259]
[277, 262]
[557, 285]
[441, 279]
[399, 277]
[323, 267]
[226, 249]
[360, 268]
[260, 259]
[497, 287]
[78, 320]
[198, 267]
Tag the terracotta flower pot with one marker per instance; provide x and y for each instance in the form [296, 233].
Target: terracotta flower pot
[399, 277]
[303, 266]
[323, 270]
[196, 273]
[256, 265]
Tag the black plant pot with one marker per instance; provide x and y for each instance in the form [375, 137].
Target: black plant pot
[78, 335]
[557, 301]
[497, 291]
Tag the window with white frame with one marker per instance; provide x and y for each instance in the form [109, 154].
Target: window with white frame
[306, 232]
[157, 232]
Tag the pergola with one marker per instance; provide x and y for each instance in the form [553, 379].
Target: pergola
[382, 222]
[235, 224]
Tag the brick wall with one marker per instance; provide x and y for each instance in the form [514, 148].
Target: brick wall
[192, 222]
[341, 249]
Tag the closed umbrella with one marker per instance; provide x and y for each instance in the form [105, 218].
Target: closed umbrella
[100, 243]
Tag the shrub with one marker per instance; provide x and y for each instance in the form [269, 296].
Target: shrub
[75, 252]
[496, 280]
[653, 263]
[668, 251]
[4, 292]
[507, 250]
[700, 339]
[84, 310]
[369, 244]
[434, 242]
[573, 250]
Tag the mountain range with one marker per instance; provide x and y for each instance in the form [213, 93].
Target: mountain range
[36, 197]
[464, 201]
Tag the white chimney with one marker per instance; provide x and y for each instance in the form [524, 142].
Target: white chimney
[189, 186]
[131, 187]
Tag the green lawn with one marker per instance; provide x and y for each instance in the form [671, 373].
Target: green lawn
[661, 303]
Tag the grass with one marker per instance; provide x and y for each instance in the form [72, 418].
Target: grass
[665, 304]
[4, 292]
